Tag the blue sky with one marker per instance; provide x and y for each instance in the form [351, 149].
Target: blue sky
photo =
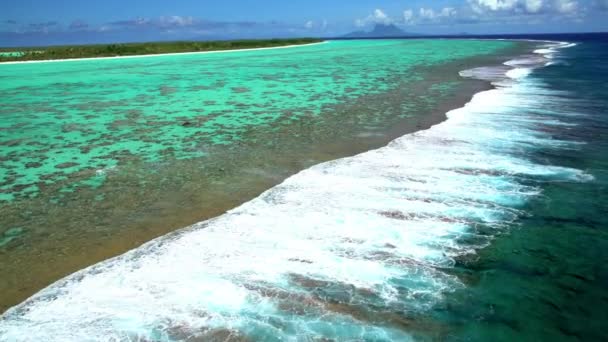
[36, 22]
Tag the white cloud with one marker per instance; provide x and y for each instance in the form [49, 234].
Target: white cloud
[481, 6]
[534, 6]
[516, 7]
[512, 12]
[377, 17]
[408, 16]
[448, 12]
[316, 25]
[142, 21]
[381, 17]
[566, 6]
[428, 15]
[176, 20]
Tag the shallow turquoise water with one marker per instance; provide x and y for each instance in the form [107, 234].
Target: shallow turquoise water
[97, 157]
[59, 119]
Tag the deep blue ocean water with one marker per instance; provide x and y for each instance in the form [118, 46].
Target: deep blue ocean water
[490, 226]
[547, 279]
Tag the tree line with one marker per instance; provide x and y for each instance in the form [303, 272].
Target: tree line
[132, 49]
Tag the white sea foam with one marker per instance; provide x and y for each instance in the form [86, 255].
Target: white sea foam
[331, 251]
[518, 73]
[549, 50]
[524, 61]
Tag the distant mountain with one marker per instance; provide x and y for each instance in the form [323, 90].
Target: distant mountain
[381, 31]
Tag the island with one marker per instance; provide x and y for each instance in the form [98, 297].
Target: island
[135, 49]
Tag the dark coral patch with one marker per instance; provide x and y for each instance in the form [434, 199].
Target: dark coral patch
[66, 165]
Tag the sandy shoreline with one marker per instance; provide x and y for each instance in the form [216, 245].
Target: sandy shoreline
[161, 54]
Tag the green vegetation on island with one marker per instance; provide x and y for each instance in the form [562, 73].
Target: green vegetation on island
[133, 49]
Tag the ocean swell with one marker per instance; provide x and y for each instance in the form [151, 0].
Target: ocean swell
[354, 248]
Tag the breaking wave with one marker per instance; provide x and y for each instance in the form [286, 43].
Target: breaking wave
[354, 248]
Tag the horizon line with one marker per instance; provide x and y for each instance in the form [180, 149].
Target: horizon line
[342, 37]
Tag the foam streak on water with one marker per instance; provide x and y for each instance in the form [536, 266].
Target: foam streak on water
[350, 249]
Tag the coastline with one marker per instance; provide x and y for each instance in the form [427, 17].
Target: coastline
[162, 54]
[123, 243]
[170, 239]
[544, 276]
